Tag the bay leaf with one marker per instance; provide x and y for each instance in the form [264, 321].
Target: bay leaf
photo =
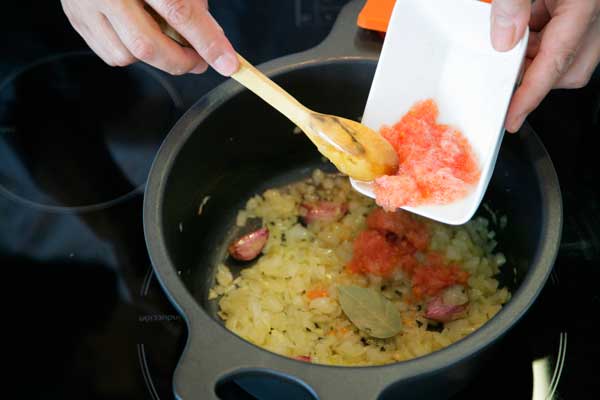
[370, 311]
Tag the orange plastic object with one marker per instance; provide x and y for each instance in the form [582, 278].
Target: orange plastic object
[376, 14]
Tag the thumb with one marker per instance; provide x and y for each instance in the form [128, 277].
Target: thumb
[509, 21]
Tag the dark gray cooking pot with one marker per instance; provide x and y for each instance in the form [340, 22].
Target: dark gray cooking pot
[230, 145]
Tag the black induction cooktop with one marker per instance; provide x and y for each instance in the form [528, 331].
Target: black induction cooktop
[77, 139]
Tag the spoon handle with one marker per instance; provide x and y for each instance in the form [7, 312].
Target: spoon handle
[270, 92]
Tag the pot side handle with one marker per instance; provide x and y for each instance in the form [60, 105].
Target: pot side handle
[208, 361]
[346, 40]
[344, 388]
[194, 379]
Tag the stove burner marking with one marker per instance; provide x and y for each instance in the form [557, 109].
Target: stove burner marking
[544, 387]
[146, 372]
[560, 362]
[554, 278]
[146, 283]
[162, 81]
[75, 209]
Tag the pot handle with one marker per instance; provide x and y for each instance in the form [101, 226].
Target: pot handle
[193, 378]
[341, 388]
[206, 362]
[346, 40]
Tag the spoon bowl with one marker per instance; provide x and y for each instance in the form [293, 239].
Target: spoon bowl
[355, 149]
[352, 147]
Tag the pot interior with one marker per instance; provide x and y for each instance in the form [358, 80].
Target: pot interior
[244, 147]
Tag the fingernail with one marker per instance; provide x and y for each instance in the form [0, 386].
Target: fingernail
[503, 33]
[226, 64]
[199, 69]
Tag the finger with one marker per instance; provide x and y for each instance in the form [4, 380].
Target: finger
[528, 62]
[556, 52]
[586, 61]
[99, 50]
[509, 21]
[144, 39]
[95, 30]
[533, 45]
[103, 41]
[109, 44]
[193, 21]
[200, 68]
[514, 128]
[539, 15]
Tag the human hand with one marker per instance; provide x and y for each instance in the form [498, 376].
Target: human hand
[122, 32]
[563, 48]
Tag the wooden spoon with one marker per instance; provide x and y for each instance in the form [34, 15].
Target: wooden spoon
[353, 148]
